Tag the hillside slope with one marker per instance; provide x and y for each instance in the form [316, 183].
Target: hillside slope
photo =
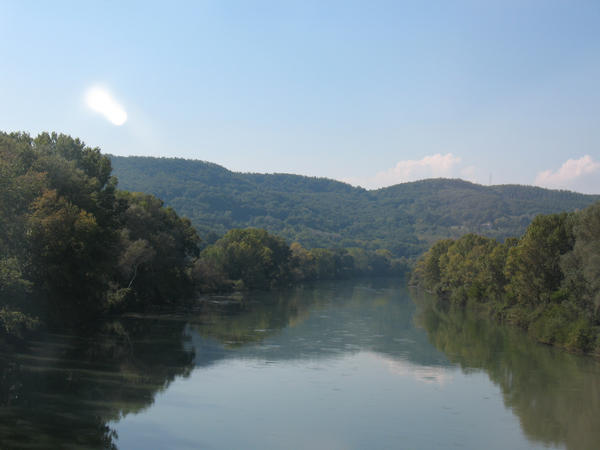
[319, 212]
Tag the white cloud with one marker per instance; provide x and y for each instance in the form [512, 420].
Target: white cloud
[100, 100]
[432, 166]
[569, 174]
[437, 165]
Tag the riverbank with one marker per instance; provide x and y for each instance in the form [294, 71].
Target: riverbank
[547, 282]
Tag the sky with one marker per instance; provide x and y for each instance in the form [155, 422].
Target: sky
[373, 93]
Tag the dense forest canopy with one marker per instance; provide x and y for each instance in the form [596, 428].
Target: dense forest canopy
[74, 247]
[547, 281]
[318, 212]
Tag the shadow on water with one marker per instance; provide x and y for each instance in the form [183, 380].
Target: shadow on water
[67, 391]
[62, 390]
[555, 395]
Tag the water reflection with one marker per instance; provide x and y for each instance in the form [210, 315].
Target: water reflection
[555, 395]
[62, 390]
[66, 391]
[321, 322]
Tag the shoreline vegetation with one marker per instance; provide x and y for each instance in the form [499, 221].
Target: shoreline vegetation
[406, 218]
[547, 282]
[74, 248]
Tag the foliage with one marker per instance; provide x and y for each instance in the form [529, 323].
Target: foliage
[545, 282]
[157, 248]
[74, 247]
[581, 267]
[533, 266]
[320, 213]
[255, 259]
[72, 244]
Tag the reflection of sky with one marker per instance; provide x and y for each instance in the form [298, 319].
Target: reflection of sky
[350, 375]
[351, 401]
[335, 329]
[425, 374]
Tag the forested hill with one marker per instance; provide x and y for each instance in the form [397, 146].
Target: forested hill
[319, 212]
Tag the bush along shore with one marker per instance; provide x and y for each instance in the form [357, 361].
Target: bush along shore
[73, 247]
[547, 282]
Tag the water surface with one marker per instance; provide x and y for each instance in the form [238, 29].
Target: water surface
[333, 366]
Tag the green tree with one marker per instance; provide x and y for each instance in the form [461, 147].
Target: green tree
[258, 259]
[72, 245]
[533, 265]
[582, 266]
[66, 256]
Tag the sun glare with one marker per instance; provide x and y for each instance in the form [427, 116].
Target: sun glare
[100, 100]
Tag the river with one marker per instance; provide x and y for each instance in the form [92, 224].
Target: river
[344, 365]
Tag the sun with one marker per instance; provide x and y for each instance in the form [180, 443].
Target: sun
[100, 100]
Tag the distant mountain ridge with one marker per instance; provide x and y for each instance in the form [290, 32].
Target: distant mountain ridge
[320, 212]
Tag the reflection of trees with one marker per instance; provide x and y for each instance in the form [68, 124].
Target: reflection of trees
[324, 320]
[62, 391]
[235, 323]
[65, 391]
[556, 395]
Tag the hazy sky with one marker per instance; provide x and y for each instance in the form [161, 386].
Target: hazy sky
[374, 93]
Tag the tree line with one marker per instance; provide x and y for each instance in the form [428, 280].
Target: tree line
[73, 247]
[317, 212]
[546, 282]
[252, 258]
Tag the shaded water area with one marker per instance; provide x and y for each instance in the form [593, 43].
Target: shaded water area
[349, 365]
